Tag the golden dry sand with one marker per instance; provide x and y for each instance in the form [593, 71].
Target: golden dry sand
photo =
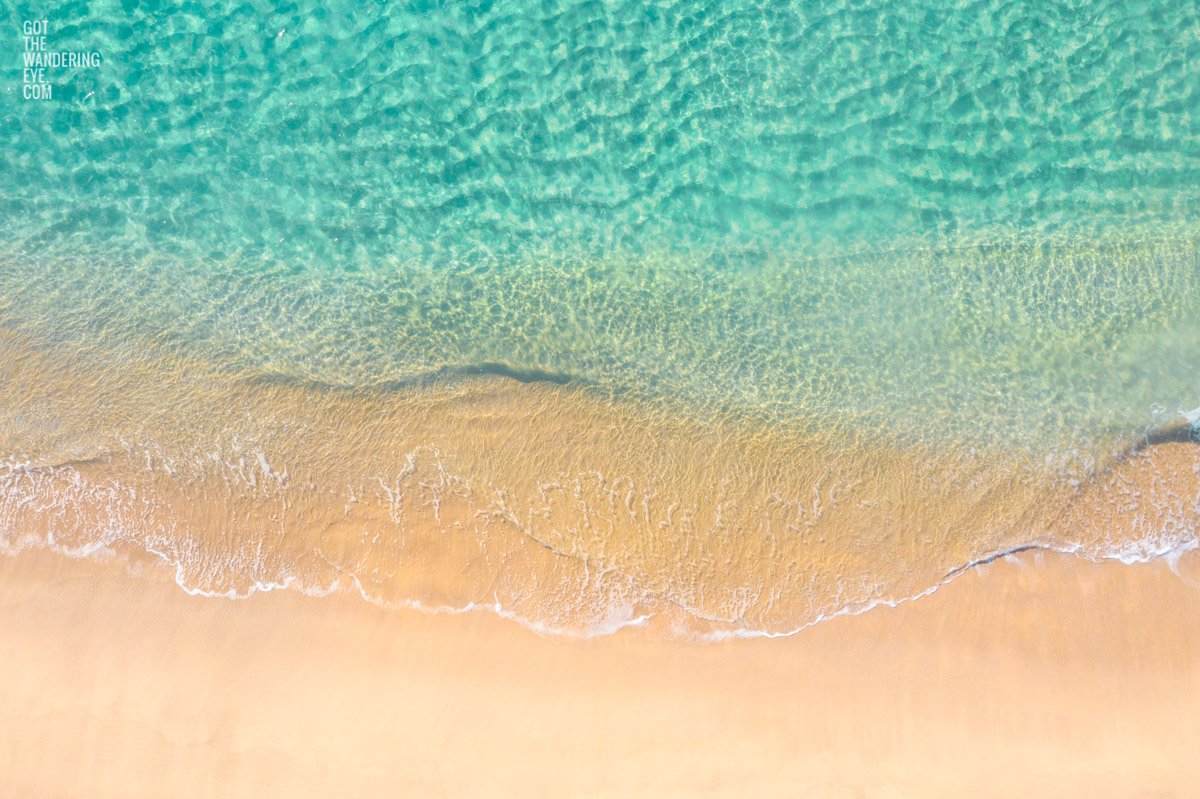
[1048, 676]
[1045, 676]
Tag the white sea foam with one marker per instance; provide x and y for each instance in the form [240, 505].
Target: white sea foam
[605, 600]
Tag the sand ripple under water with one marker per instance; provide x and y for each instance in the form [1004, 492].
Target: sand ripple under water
[572, 513]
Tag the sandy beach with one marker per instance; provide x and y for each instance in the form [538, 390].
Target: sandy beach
[638, 399]
[1044, 675]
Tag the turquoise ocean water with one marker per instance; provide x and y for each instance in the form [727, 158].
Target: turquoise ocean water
[967, 225]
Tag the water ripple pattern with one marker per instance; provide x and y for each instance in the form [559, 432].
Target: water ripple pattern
[350, 132]
[761, 309]
[765, 207]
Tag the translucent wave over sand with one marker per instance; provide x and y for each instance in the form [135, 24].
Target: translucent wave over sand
[572, 513]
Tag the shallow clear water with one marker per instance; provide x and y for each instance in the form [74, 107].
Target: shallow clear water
[338, 135]
[965, 229]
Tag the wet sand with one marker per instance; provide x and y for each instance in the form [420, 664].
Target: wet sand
[573, 512]
[1046, 675]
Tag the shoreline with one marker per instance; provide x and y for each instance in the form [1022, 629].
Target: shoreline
[1042, 672]
[721, 528]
